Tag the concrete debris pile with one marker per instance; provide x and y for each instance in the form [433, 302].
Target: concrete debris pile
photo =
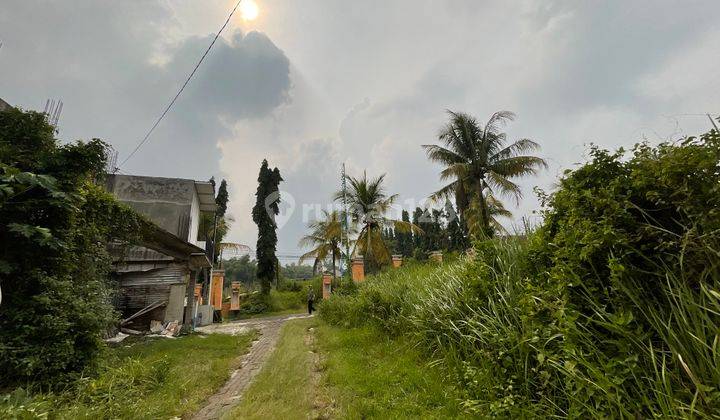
[170, 329]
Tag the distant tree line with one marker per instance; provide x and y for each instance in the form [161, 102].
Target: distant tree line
[244, 270]
[444, 230]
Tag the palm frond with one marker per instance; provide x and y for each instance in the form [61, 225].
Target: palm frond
[498, 120]
[406, 227]
[518, 166]
[499, 184]
[517, 148]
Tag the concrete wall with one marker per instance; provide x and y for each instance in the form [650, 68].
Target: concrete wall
[169, 202]
[194, 220]
[4, 105]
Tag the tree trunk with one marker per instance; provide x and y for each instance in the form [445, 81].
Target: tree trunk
[484, 220]
[333, 267]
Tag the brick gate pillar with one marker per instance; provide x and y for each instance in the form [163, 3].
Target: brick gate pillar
[397, 261]
[358, 269]
[326, 285]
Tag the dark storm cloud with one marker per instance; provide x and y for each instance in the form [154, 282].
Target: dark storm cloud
[98, 58]
[245, 78]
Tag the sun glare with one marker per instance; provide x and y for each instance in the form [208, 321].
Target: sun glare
[249, 10]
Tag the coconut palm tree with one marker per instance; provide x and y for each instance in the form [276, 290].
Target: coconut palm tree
[368, 206]
[495, 210]
[479, 164]
[326, 238]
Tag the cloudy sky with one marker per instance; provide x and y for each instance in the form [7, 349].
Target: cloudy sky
[314, 83]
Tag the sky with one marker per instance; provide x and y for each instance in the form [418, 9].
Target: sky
[312, 84]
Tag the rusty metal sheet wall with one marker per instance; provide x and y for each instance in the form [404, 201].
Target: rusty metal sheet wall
[171, 274]
[139, 289]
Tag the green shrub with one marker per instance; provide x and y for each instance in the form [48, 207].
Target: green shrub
[140, 379]
[287, 285]
[54, 224]
[256, 303]
[283, 301]
[633, 242]
[610, 310]
[384, 300]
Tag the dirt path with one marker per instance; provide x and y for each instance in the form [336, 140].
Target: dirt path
[231, 393]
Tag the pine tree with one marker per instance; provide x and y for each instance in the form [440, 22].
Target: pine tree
[264, 212]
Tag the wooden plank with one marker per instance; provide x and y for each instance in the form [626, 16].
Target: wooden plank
[146, 309]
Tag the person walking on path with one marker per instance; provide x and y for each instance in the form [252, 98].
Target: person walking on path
[311, 300]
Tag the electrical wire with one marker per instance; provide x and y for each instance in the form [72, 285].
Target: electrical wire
[167, 109]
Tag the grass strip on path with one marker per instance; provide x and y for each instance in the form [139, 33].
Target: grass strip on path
[374, 376]
[319, 371]
[152, 378]
[283, 389]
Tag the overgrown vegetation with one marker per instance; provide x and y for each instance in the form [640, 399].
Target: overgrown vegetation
[149, 379]
[284, 388]
[320, 371]
[371, 375]
[55, 222]
[368, 204]
[611, 309]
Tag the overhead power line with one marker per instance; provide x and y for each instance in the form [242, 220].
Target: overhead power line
[177, 95]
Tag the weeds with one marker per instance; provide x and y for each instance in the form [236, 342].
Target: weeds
[611, 309]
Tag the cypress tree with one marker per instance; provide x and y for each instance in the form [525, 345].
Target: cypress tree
[222, 199]
[264, 212]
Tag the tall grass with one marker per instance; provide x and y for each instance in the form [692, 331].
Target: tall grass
[611, 309]
[141, 379]
[520, 348]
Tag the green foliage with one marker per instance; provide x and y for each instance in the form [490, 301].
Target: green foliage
[256, 303]
[368, 206]
[383, 300]
[54, 225]
[241, 269]
[480, 166]
[264, 212]
[222, 199]
[325, 239]
[633, 242]
[292, 299]
[456, 230]
[404, 239]
[610, 310]
[296, 271]
[148, 379]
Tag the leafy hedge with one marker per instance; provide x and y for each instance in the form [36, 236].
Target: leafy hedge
[611, 309]
[55, 223]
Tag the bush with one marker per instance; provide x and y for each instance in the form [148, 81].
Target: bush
[287, 285]
[54, 224]
[383, 300]
[256, 303]
[610, 310]
[633, 243]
